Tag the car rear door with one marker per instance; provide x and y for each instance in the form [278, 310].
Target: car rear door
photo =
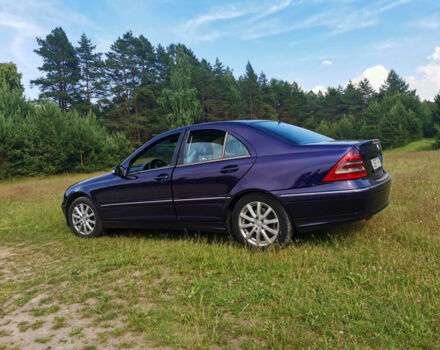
[211, 163]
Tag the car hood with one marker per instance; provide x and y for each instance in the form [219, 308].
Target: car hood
[93, 181]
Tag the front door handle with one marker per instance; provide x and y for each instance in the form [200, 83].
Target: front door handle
[229, 169]
[161, 177]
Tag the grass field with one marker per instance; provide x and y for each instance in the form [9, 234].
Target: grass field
[416, 146]
[366, 285]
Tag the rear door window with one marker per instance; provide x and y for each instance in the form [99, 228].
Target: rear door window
[204, 146]
[234, 148]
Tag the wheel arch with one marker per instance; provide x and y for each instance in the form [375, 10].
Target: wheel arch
[238, 196]
[74, 196]
[70, 200]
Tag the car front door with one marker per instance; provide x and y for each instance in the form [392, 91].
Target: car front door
[145, 193]
[212, 162]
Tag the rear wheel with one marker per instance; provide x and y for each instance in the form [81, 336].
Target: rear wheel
[260, 221]
[84, 219]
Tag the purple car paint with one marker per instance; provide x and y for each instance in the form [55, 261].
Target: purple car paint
[201, 182]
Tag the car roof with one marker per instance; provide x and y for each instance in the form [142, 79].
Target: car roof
[232, 122]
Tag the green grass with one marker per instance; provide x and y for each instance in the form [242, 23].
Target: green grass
[373, 284]
[42, 340]
[416, 146]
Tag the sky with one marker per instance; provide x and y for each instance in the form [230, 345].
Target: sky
[316, 43]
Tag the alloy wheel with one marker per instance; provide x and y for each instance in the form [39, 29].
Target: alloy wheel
[83, 219]
[259, 224]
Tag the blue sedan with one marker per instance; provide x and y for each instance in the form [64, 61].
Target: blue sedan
[260, 180]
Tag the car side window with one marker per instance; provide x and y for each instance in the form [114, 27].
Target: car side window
[234, 148]
[158, 155]
[204, 146]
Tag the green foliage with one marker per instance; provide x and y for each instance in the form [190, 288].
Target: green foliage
[180, 99]
[250, 88]
[394, 84]
[10, 76]
[437, 138]
[142, 90]
[60, 65]
[40, 139]
[92, 73]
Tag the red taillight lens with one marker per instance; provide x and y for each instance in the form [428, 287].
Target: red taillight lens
[351, 166]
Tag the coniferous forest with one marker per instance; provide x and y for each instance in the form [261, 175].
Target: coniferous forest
[94, 108]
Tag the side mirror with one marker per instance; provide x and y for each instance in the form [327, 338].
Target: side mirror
[120, 171]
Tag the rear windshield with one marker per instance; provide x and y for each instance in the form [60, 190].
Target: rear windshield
[291, 133]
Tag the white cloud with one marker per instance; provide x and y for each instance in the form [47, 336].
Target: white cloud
[257, 20]
[319, 88]
[273, 9]
[376, 75]
[197, 29]
[193, 25]
[24, 31]
[25, 20]
[436, 55]
[427, 78]
[426, 81]
[430, 22]
[327, 63]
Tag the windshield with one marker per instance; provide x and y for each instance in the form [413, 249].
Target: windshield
[291, 133]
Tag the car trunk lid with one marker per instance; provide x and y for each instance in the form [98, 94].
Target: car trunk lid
[371, 151]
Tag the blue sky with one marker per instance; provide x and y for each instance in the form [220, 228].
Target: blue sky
[317, 43]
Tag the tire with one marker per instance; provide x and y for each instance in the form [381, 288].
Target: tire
[84, 218]
[270, 227]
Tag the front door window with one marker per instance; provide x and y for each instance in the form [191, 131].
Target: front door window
[158, 155]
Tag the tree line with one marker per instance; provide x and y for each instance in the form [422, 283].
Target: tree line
[37, 138]
[142, 90]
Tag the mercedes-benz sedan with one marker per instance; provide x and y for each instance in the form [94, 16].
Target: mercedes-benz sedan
[260, 180]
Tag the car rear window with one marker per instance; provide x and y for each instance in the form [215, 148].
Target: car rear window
[291, 133]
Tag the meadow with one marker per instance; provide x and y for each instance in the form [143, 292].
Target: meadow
[367, 285]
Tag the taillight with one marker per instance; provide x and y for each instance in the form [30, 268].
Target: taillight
[351, 166]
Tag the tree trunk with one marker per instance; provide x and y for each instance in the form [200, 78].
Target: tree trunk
[87, 83]
[60, 88]
[81, 155]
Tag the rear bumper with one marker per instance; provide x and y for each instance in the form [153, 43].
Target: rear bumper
[336, 202]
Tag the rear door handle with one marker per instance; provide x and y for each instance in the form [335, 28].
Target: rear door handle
[229, 169]
[161, 177]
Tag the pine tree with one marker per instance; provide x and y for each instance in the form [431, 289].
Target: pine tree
[372, 122]
[250, 90]
[234, 105]
[353, 99]
[60, 65]
[162, 65]
[125, 72]
[394, 84]
[180, 98]
[91, 68]
[367, 93]
[436, 110]
[333, 104]
[324, 129]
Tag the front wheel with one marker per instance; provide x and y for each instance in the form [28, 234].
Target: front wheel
[260, 221]
[84, 219]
